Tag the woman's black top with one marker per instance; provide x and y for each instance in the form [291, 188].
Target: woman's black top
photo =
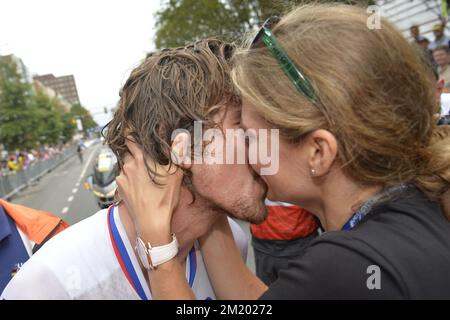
[400, 250]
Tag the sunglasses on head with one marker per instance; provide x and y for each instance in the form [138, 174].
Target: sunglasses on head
[266, 37]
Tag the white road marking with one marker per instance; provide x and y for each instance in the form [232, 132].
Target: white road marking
[87, 163]
[70, 199]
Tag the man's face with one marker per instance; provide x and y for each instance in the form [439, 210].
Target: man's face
[438, 33]
[423, 44]
[233, 188]
[441, 57]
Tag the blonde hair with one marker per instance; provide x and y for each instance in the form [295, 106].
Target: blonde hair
[375, 95]
[435, 180]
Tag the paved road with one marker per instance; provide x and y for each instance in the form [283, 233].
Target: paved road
[62, 192]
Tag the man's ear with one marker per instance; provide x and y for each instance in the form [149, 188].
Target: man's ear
[181, 150]
[323, 150]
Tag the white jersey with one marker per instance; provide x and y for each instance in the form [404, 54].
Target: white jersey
[83, 262]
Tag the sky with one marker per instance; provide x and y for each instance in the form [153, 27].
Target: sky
[98, 41]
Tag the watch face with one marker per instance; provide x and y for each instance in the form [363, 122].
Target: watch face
[142, 253]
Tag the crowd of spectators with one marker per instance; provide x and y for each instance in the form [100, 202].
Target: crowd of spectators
[438, 50]
[13, 161]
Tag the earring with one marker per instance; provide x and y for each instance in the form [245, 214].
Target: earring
[313, 172]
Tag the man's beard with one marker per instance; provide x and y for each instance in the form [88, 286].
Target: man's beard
[242, 209]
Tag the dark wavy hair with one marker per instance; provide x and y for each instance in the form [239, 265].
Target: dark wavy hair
[170, 90]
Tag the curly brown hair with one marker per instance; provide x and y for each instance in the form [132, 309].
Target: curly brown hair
[170, 90]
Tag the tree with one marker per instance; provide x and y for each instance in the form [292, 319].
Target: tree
[78, 111]
[183, 21]
[69, 127]
[50, 114]
[30, 119]
[19, 118]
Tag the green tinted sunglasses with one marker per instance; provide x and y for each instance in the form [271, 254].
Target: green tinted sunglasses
[301, 83]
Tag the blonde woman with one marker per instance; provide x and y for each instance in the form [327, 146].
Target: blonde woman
[359, 148]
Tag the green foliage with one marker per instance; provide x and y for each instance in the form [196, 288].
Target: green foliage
[78, 110]
[50, 114]
[18, 116]
[29, 120]
[69, 127]
[183, 21]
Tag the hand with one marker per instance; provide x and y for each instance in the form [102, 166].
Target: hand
[150, 205]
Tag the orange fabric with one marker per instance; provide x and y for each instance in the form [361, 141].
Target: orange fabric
[36, 224]
[285, 223]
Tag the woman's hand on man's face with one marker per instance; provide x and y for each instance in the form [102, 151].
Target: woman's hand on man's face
[150, 204]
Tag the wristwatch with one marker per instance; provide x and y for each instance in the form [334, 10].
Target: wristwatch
[151, 257]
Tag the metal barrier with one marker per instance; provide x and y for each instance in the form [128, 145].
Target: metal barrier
[13, 182]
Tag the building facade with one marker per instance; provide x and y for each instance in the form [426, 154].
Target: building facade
[65, 86]
[49, 92]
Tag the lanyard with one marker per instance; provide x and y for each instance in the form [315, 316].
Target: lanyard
[125, 261]
[359, 215]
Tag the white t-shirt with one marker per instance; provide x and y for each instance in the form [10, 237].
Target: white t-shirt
[81, 263]
[444, 41]
[445, 104]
